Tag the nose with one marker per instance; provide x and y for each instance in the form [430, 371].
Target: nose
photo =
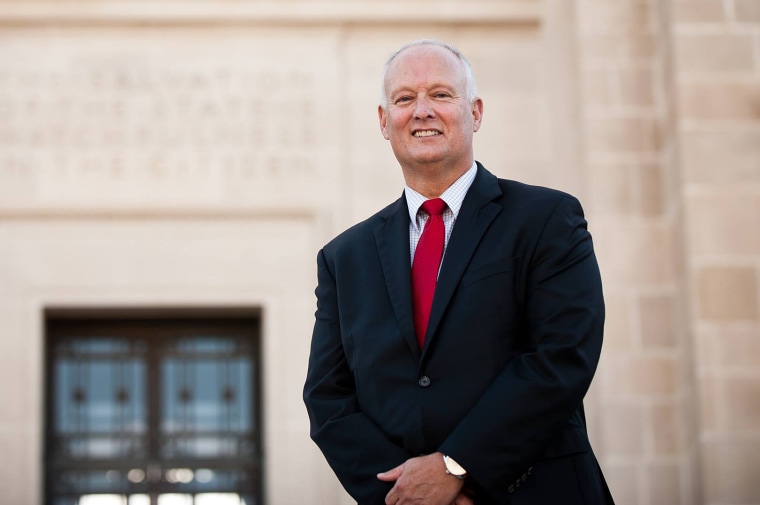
[423, 109]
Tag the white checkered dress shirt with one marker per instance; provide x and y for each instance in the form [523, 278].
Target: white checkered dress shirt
[453, 196]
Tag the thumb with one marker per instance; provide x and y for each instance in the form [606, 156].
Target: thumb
[391, 475]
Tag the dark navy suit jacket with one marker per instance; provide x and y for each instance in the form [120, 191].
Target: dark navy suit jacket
[513, 341]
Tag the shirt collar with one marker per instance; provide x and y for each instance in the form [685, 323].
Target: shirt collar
[453, 196]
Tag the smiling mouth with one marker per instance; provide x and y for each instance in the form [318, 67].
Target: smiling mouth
[426, 133]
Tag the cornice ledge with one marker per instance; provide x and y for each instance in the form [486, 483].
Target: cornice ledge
[272, 11]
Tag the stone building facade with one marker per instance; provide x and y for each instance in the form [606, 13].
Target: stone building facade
[177, 156]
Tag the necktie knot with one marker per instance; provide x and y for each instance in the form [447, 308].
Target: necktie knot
[434, 207]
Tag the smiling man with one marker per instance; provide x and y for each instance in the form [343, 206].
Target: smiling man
[458, 329]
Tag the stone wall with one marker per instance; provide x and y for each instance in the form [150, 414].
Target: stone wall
[672, 154]
[717, 90]
[644, 387]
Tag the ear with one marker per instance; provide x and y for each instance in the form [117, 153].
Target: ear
[383, 117]
[477, 114]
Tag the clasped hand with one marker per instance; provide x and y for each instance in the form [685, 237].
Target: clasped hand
[424, 481]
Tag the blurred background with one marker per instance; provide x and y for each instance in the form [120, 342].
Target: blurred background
[169, 169]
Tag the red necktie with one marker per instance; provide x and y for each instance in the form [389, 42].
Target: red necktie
[427, 261]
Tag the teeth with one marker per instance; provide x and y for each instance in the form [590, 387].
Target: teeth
[426, 133]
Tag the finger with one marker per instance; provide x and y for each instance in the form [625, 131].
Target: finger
[463, 499]
[392, 499]
[391, 475]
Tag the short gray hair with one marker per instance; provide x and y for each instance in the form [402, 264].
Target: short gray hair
[471, 88]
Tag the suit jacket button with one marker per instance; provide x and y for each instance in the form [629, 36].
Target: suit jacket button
[512, 488]
[424, 381]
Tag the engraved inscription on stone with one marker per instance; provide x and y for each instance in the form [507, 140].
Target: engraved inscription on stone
[120, 127]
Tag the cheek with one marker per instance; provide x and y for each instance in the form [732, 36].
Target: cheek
[398, 119]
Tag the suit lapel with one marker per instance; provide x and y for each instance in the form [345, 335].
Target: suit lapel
[392, 238]
[476, 214]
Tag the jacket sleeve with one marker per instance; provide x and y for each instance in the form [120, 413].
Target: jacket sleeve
[356, 449]
[537, 392]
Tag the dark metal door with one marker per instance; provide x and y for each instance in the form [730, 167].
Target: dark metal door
[153, 411]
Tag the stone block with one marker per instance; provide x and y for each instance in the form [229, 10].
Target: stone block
[664, 483]
[502, 64]
[730, 470]
[707, 348]
[747, 11]
[724, 223]
[625, 189]
[739, 100]
[654, 376]
[13, 478]
[730, 348]
[727, 293]
[635, 254]
[663, 421]
[624, 480]
[611, 188]
[698, 11]
[651, 190]
[621, 430]
[657, 321]
[721, 156]
[597, 86]
[641, 376]
[617, 323]
[622, 46]
[605, 16]
[741, 405]
[611, 135]
[723, 52]
[13, 350]
[709, 404]
[635, 86]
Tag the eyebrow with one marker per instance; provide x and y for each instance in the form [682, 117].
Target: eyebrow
[433, 87]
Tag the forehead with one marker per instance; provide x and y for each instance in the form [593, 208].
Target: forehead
[424, 65]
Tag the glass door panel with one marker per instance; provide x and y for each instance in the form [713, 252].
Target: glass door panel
[157, 410]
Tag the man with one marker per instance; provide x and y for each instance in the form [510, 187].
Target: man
[460, 383]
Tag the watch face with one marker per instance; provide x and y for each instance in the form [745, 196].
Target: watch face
[453, 467]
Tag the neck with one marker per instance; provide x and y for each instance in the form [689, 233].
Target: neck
[432, 182]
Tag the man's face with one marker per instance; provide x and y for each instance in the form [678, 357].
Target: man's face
[428, 120]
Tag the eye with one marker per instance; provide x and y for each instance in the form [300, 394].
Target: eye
[442, 94]
[403, 99]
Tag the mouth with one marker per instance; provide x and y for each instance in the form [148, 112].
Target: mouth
[426, 133]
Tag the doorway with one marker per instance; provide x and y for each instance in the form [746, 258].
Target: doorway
[151, 410]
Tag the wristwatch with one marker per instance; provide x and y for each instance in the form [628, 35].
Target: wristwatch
[454, 468]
